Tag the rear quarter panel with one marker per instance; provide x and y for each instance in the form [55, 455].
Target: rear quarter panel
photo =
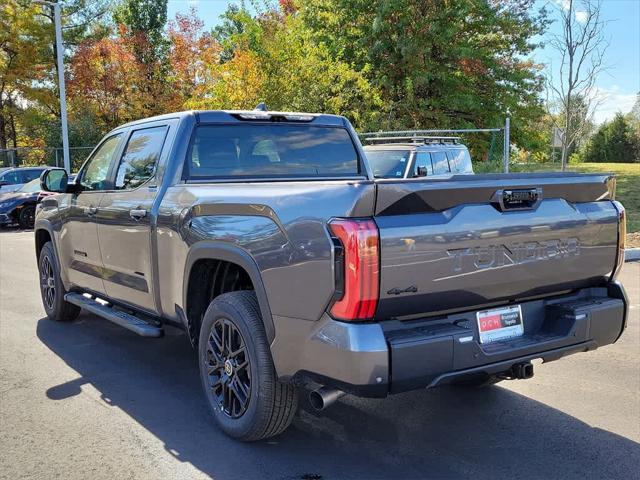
[282, 225]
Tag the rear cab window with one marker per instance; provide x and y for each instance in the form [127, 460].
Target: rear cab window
[271, 150]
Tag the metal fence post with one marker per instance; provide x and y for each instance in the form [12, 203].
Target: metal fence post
[506, 145]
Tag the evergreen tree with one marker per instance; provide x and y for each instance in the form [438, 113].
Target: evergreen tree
[615, 141]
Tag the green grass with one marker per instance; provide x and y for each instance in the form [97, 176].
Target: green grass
[627, 187]
[627, 181]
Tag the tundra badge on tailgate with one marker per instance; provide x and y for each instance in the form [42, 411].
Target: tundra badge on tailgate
[500, 255]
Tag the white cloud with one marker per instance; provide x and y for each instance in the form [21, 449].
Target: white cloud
[612, 101]
[581, 16]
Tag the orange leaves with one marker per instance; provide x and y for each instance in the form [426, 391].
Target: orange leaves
[472, 66]
[192, 53]
[121, 78]
[106, 76]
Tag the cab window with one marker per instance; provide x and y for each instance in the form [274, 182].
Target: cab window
[139, 159]
[440, 163]
[96, 171]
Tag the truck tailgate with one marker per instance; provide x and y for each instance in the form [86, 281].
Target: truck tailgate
[468, 241]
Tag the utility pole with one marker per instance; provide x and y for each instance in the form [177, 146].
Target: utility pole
[61, 86]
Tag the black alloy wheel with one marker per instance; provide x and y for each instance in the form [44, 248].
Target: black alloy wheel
[52, 289]
[243, 392]
[228, 370]
[47, 283]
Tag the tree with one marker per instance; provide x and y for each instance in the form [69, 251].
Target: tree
[141, 23]
[273, 57]
[579, 120]
[145, 21]
[581, 45]
[457, 64]
[22, 63]
[635, 111]
[107, 78]
[81, 20]
[191, 52]
[615, 141]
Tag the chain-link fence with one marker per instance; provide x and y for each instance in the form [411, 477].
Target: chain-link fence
[35, 156]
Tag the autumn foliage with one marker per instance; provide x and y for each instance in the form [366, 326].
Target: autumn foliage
[385, 65]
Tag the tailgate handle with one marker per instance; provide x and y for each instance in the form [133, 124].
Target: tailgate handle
[517, 199]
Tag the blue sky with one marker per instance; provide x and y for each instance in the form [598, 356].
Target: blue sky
[617, 87]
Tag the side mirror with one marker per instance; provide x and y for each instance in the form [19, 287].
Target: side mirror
[54, 180]
[421, 171]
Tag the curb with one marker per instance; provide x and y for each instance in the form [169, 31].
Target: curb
[632, 254]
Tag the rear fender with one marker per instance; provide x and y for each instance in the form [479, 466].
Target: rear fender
[229, 253]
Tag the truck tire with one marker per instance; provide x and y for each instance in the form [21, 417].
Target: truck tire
[238, 377]
[51, 288]
[27, 217]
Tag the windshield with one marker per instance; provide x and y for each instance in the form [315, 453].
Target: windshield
[31, 187]
[388, 163]
[250, 150]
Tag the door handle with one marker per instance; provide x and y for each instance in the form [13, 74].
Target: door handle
[137, 214]
[90, 211]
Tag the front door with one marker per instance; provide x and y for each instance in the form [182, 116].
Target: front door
[78, 240]
[124, 220]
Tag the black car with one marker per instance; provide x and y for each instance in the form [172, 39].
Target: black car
[20, 206]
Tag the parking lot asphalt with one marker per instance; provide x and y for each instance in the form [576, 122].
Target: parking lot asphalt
[91, 400]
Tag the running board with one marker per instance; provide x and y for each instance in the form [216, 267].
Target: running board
[130, 322]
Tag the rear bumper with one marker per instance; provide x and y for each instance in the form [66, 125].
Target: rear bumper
[431, 352]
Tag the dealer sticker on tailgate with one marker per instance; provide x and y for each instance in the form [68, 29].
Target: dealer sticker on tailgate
[500, 324]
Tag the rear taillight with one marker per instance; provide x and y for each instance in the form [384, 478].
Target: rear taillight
[622, 235]
[357, 268]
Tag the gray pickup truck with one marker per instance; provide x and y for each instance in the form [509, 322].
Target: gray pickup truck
[267, 239]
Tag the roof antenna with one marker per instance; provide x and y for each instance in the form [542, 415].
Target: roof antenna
[261, 107]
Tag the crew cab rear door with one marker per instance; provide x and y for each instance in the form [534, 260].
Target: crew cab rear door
[465, 241]
[125, 217]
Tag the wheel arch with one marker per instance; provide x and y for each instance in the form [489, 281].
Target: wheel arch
[42, 233]
[216, 251]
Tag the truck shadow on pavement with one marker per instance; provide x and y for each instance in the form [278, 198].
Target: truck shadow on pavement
[444, 433]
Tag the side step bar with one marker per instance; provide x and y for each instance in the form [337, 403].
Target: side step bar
[130, 322]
